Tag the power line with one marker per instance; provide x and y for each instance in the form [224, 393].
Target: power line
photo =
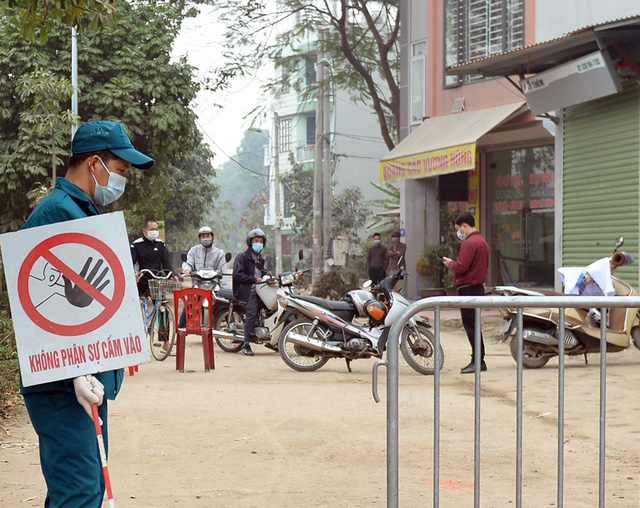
[225, 153]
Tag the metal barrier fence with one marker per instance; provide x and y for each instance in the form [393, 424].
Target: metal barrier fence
[435, 304]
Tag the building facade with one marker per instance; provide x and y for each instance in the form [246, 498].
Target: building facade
[469, 141]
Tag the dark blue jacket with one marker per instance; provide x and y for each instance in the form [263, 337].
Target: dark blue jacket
[66, 202]
[244, 273]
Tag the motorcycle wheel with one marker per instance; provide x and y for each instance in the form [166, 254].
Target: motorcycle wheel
[532, 358]
[221, 322]
[299, 357]
[418, 349]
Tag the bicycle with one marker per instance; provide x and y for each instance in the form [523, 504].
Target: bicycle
[159, 321]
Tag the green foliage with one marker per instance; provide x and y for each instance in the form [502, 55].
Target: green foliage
[37, 18]
[125, 74]
[335, 284]
[348, 209]
[9, 377]
[385, 224]
[361, 41]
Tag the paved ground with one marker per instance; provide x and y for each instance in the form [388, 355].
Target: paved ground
[254, 433]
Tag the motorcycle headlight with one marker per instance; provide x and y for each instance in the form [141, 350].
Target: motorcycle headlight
[287, 279]
[282, 301]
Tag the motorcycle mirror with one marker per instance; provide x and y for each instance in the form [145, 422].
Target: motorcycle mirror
[300, 255]
[619, 242]
[183, 256]
[227, 257]
[366, 284]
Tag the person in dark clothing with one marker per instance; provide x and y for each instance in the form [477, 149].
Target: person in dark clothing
[151, 253]
[60, 411]
[377, 260]
[248, 270]
[469, 275]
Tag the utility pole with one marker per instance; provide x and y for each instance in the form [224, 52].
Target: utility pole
[317, 172]
[276, 168]
[327, 195]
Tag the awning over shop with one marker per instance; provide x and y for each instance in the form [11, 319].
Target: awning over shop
[444, 144]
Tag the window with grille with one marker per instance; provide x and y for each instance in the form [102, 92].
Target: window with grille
[476, 29]
[285, 135]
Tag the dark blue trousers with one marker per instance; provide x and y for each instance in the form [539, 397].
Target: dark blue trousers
[69, 455]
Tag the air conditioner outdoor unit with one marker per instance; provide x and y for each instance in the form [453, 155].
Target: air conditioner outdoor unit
[581, 80]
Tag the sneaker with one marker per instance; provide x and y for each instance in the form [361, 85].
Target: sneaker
[246, 350]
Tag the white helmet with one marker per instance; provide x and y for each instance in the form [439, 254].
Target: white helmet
[205, 230]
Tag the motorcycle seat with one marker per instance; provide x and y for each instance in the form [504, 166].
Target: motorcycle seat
[228, 295]
[335, 305]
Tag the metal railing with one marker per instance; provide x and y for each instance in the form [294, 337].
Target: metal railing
[435, 304]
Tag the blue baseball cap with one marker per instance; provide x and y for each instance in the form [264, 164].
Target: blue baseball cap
[112, 136]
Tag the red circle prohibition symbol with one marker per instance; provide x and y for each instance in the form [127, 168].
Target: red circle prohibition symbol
[44, 250]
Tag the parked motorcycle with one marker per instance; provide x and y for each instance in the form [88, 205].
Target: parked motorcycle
[229, 313]
[327, 330]
[540, 331]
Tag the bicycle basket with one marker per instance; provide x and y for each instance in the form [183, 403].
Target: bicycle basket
[163, 288]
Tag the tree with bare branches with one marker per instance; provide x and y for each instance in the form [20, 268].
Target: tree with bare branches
[361, 42]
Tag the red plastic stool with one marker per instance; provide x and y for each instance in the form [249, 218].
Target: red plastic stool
[193, 299]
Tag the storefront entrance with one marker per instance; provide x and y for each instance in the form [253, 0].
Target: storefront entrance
[521, 229]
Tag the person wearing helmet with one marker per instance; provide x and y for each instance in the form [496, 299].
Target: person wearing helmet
[205, 255]
[248, 270]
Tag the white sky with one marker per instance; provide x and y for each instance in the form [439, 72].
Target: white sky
[222, 127]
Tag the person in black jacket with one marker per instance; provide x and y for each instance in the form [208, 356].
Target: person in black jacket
[248, 269]
[151, 253]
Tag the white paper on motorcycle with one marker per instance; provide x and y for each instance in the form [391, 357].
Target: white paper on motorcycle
[73, 298]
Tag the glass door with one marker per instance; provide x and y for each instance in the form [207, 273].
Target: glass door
[521, 200]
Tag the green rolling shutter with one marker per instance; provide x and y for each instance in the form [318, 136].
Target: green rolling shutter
[601, 189]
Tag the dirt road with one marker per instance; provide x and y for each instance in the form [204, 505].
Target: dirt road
[254, 433]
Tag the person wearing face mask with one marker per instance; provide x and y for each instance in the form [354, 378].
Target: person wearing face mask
[377, 260]
[101, 157]
[248, 270]
[397, 261]
[149, 252]
[204, 255]
[469, 275]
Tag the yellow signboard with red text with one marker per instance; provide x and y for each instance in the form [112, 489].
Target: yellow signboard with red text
[423, 165]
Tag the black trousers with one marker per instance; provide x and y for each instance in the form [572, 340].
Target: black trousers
[251, 316]
[469, 318]
[377, 274]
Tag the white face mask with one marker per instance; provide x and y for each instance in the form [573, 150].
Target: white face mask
[206, 242]
[153, 235]
[104, 195]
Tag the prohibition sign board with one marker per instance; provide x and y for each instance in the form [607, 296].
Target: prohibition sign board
[44, 250]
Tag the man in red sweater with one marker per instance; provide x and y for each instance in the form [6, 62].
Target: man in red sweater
[469, 275]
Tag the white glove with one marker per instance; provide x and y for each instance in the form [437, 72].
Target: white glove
[88, 391]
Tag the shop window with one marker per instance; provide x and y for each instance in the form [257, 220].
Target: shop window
[418, 85]
[476, 29]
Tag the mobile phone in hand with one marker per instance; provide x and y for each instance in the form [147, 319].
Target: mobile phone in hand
[440, 259]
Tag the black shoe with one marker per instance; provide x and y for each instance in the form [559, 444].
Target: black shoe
[246, 350]
[471, 368]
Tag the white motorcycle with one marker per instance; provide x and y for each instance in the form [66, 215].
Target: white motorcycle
[229, 313]
[327, 330]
